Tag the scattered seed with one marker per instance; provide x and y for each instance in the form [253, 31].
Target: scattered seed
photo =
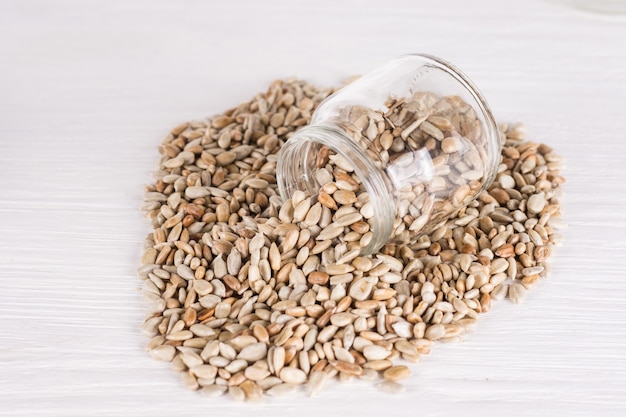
[293, 376]
[536, 203]
[213, 390]
[164, 353]
[391, 387]
[517, 293]
[251, 390]
[236, 393]
[374, 352]
[434, 332]
[253, 352]
[396, 373]
[281, 390]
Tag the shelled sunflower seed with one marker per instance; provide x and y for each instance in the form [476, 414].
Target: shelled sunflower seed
[249, 296]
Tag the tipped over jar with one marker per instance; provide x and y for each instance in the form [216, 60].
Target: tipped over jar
[394, 154]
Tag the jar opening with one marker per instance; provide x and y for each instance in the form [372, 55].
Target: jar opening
[298, 163]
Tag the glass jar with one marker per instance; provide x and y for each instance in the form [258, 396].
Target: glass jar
[417, 137]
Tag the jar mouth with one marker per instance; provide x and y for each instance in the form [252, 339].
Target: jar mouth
[492, 136]
[296, 169]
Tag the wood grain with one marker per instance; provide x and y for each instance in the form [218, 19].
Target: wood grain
[87, 91]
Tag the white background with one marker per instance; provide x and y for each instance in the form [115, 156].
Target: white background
[89, 89]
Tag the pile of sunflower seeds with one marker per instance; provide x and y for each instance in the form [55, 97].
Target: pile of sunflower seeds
[252, 297]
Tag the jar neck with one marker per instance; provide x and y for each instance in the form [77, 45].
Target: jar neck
[297, 165]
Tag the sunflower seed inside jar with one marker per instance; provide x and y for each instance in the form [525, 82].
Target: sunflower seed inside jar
[414, 155]
[249, 296]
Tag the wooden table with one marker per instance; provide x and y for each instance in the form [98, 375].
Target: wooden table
[88, 90]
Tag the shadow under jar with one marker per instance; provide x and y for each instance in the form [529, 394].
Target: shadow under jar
[415, 139]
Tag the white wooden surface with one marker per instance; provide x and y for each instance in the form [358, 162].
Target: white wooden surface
[87, 91]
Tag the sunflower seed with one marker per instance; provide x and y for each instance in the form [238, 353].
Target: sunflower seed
[391, 387]
[396, 373]
[293, 376]
[281, 390]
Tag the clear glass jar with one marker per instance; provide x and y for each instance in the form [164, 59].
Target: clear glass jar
[416, 134]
